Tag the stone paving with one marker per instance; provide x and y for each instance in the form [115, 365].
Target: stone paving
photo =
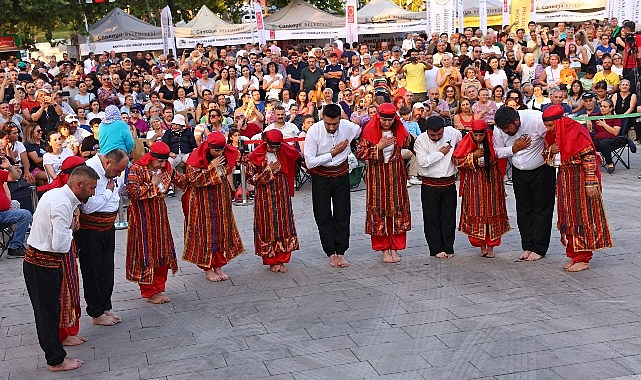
[462, 318]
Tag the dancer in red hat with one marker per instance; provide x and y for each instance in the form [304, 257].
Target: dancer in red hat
[582, 221]
[483, 212]
[271, 168]
[388, 215]
[150, 246]
[211, 235]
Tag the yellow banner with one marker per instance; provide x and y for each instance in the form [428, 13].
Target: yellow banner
[520, 13]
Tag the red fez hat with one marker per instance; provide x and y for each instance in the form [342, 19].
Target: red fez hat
[553, 112]
[387, 110]
[159, 150]
[216, 139]
[479, 125]
[71, 162]
[274, 136]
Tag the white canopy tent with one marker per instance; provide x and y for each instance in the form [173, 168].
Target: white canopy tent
[385, 11]
[209, 29]
[122, 32]
[300, 20]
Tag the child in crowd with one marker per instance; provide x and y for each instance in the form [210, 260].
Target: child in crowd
[568, 73]
[586, 81]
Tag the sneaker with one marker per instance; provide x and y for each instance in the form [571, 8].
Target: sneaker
[415, 181]
[610, 169]
[171, 193]
[16, 253]
[409, 184]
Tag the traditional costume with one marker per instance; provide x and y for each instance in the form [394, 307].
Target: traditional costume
[211, 235]
[581, 218]
[533, 181]
[483, 213]
[70, 290]
[388, 215]
[274, 230]
[48, 244]
[438, 191]
[96, 241]
[330, 184]
[150, 246]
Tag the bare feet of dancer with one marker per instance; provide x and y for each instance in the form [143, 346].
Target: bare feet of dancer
[216, 275]
[525, 255]
[577, 267]
[282, 268]
[387, 257]
[568, 264]
[490, 252]
[443, 255]
[74, 340]
[275, 268]
[483, 251]
[66, 365]
[332, 261]
[395, 256]
[158, 299]
[115, 317]
[104, 320]
[341, 262]
[534, 256]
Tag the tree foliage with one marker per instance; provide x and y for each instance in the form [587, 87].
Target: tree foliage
[29, 19]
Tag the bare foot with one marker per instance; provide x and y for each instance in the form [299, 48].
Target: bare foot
[443, 255]
[104, 320]
[483, 251]
[490, 252]
[66, 365]
[274, 268]
[387, 257]
[341, 262]
[282, 268]
[74, 340]
[115, 317]
[577, 267]
[219, 271]
[215, 277]
[568, 264]
[332, 261]
[158, 299]
[534, 256]
[395, 256]
[525, 255]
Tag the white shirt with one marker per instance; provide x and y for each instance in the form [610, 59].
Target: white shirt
[430, 78]
[180, 106]
[529, 158]
[387, 152]
[319, 143]
[242, 81]
[289, 130]
[19, 147]
[105, 200]
[51, 226]
[55, 160]
[494, 49]
[431, 162]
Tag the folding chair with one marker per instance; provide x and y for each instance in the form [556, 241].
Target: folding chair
[6, 234]
[301, 177]
[622, 153]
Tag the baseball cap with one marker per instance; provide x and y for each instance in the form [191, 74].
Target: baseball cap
[396, 48]
[418, 105]
[169, 76]
[22, 65]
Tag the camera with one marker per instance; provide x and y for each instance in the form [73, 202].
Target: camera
[65, 93]
[242, 147]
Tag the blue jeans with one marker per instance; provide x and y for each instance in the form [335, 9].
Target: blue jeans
[21, 218]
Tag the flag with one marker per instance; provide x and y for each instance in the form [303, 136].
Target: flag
[483, 16]
[260, 25]
[351, 23]
[461, 16]
[167, 30]
[506, 13]
[442, 17]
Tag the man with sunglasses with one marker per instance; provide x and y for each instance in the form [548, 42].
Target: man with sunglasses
[521, 135]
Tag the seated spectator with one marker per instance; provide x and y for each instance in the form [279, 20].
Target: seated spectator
[89, 146]
[21, 218]
[68, 140]
[35, 146]
[605, 133]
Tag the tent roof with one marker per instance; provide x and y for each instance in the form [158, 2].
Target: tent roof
[207, 23]
[119, 25]
[385, 10]
[300, 15]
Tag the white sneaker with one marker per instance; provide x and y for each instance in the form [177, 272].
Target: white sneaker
[409, 184]
[415, 181]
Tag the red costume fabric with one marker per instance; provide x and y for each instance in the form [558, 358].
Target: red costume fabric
[581, 218]
[287, 155]
[198, 158]
[70, 289]
[388, 215]
[483, 211]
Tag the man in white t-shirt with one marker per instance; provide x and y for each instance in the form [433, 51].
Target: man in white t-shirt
[289, 130]
[489, 49]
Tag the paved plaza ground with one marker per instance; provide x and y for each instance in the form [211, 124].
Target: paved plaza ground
[425, 318]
